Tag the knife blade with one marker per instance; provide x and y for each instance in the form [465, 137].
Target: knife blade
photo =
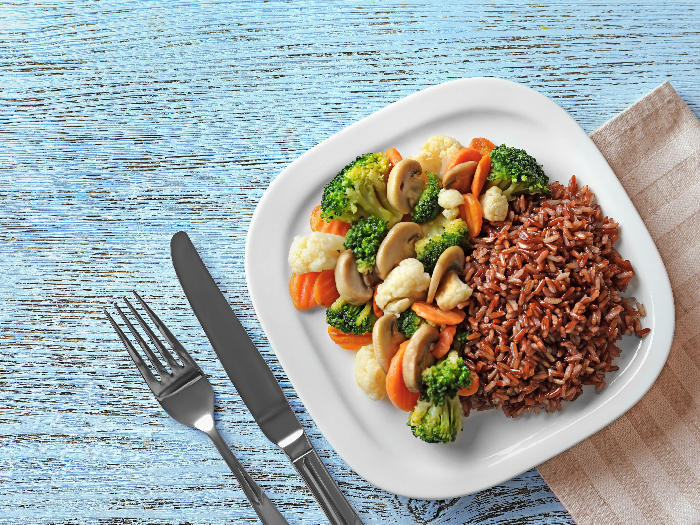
[254, 380]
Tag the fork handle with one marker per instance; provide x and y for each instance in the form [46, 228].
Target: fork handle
[267, 512]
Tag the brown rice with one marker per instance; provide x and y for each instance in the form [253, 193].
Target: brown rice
[546, 309]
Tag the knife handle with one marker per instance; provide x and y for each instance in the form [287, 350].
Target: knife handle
[267, 512]
[322, 486]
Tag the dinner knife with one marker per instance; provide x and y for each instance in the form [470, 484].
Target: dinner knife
[254, 380]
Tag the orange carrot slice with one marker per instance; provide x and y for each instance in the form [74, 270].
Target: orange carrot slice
[316, 221]
[336, 226]
[482, 171]
[463, 155]
[301, 290]
[444, 341]
[349, 341]
[482, 145]
[471, 389]
[394, 157]
[325, 291]
[434, 314]
[472, 213]
[396, 389]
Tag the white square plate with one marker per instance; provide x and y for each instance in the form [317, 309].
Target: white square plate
[372, 436]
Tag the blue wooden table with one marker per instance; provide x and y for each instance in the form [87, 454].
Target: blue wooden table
[124, 122]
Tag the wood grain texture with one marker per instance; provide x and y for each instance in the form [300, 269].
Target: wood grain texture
[122, 123]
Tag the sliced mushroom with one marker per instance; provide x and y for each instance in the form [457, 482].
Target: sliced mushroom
[399, 244]
[405, 185]
[450, 260]
[418, 356]
[460, 177]
[351, 286]
[369, 279]
[386, 339]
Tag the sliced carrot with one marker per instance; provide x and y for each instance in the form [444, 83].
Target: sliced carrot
[434, 314]
[482, 145]
[336, 226]
[471, 389]
[444, 342]
[301, 290]
[394, 157]
[378, 312]
[482, 171]
[349, 341]
[463, 155]
[472, 213]
[316, 221]
[396, 389]
[325, 291]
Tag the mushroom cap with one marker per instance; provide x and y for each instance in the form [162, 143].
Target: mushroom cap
[405, 185]
[460, 177]
[348, 279]
[386, 339]
[418, 356]
[399, 244]
[452, 259]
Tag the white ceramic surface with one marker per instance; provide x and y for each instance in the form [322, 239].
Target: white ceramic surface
[372, 436]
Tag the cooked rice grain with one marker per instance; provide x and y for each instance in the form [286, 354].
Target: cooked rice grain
[546, 309]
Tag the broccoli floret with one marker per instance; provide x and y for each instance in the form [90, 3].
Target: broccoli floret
[459, 341]
[428, 251]
[350, 318]
[436, 424]
[515, 172]
[444, 379]
[359, 190]
[408, 322]
[427, 207]
[364, 238]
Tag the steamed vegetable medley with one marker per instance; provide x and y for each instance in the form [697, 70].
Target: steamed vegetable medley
[385, 258]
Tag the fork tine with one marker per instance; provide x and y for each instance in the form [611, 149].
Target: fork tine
[162, 372]
[167, 334]
[151, 381]
[172, 363]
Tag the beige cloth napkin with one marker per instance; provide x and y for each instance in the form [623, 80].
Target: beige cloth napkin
[645, 467]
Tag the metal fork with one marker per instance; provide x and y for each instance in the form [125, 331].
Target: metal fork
[187, 396]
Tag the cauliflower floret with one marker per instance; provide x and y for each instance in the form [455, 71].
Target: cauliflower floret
[316, 252]
[404, 285]
[450, 200]
[434, 227]
[451, 213]
[494, 204]
[452, 291]
[369, 375]
[436, 153]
